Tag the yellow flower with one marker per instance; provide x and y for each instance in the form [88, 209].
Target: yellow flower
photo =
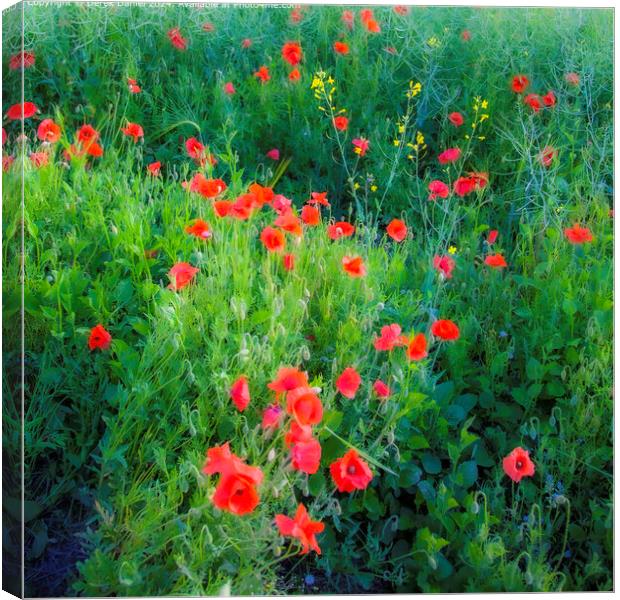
[373, 188]
[356, 185]
[396, 142]
[452, 249]
[485, 104]
[401, 129]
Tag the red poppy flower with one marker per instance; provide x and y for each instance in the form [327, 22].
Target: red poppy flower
[496, 261]
[348, 18]
[480, 179]
[7, 161]
[450, 155]
[438, 189]
[381, 389]
[281, 204]
[208, 188]
[520, 84]
[292, 53]
[208, 27]
[492, 236]
[99, 338]
[310, 215]
[246, 43]
[154, 168]
[302, 528]
[287, 379]
[464, 186]
[21, 60]
[348, 382]
[341, 123]
[288, 260]
[572, 79]
[401, 10]
[222, 207]
[319, 198]
[456, 118]
[547, 156]
[465, 35]
[21, 111]
[289, 222]
[294, 75]
[351, 472]
[178, 41]
[518, 465]
[240, 393]
[549, 99]
[304, 406]
[445, 329]
[445, 265]
[273, 239]
[340, 229]
[296, 15]
[306, 456]
[353, 266]
[533, 101]
[341, 47]
[390, 338]
[133, 86]
[133, 130]
[273, 154]
[262, 194]
[272, 416]
[263, 74]
[181, 275]
[416, 350]
[39, 159]
[397, 230]
[361, 146]
[199, 229]
[236, 490]
[229, 88]
[578, 235]
[372, 26]
[4, 136]
[194, 148]
[48, 131]
[87, 133]
[366, 14]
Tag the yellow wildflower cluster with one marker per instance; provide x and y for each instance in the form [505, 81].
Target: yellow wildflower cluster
[324, 88]
[414, 89]
[480, 116]
[419, 145]
[433, 42]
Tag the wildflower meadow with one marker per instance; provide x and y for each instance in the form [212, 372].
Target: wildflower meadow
[306, 299]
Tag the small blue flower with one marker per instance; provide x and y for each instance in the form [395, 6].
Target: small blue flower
[309, 579]
[526, 518]
[568, 554]
[503, 334]
[559, 487]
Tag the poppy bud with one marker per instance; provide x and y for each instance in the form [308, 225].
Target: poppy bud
[432, 562]
[475, 507]
[390, 437]
[305, 353]
[271, 456]
[528, 578]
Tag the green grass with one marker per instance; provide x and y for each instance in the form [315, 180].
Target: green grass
[115, 440]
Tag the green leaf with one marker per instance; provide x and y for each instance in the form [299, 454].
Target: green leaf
[431, 463]
[467, 473]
